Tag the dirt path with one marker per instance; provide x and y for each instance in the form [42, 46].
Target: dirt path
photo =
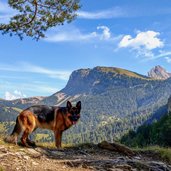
[83, 158]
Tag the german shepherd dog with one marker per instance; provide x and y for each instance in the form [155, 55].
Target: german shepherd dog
[57, 119]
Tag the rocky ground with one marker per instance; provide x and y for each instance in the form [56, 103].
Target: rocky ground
[82, 158]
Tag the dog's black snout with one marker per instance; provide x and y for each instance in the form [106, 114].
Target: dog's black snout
[74, 117]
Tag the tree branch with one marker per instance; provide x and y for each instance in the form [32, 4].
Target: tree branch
[34, 16]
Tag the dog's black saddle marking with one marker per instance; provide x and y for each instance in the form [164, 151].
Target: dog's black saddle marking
[43, 112]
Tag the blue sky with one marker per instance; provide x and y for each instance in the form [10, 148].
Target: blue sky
[130, 34]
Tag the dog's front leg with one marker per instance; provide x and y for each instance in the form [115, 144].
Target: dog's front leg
[58, 138]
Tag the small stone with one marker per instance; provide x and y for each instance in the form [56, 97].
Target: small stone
[20, 153]
[35, 164]
[2, 155]
[124, 167]
[34, 153]
[55, 153]
[26, 157]
[114, 169]
[22, 149]
[156, 163]
[137, 158]
[121, 158]
[3, 150]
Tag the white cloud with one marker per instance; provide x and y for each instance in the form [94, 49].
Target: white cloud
[70, 35]
[30, 68]
[106, 32]
[123, 12]
[73, 34]
[143, 43]
[162, 54]
[32, 88]
[168, 59]
[15, 95]
[149, 40]
[104, 14]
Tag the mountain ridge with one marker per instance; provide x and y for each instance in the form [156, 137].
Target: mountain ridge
[113, 101]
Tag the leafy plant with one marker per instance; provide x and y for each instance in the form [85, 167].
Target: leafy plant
[34, 17]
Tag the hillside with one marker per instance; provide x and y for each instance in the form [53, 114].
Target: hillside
[10, 109]
[8, 113]
[158, 133]
[114, 100]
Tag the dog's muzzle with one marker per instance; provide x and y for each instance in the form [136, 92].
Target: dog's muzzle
[74, 118]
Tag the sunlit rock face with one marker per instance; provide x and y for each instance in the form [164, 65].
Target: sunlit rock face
[159, 72]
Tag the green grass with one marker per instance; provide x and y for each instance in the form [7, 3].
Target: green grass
[16, 109]
[1, 169]
[2, 128]
[40, 136]
[121, 71]
[9, 146]
[1, 140]
[49, 145]
[163, 152]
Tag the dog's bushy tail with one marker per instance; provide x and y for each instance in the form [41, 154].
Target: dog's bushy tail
[15, 133]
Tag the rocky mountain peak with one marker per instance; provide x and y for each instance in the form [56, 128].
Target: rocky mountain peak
[98, 79]
[159, 72]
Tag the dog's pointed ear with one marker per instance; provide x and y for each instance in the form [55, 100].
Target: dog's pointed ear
[78, 105]
[69, 105]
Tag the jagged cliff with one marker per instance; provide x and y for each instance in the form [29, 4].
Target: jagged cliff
[159, 72]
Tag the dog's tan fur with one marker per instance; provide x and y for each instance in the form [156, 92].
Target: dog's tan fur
[27, 122]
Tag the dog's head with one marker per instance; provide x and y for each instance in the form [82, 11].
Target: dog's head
[74, 111]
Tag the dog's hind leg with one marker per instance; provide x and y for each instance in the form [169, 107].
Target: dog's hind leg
[25, 140]
[29, 125]
[25, 137]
